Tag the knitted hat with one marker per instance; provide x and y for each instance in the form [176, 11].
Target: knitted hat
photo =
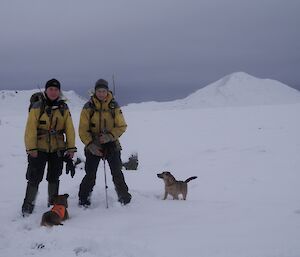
[52, 83]
[101, 83]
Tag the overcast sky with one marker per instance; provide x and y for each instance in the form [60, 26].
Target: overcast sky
[158, 49]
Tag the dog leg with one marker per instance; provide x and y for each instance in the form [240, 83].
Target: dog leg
[166, 194]
[184, 195]
[66, 215]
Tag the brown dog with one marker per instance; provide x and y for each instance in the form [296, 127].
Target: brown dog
[173, 186]
[58, 213]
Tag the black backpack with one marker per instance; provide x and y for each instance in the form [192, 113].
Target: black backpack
[36, 97]
[40, 97]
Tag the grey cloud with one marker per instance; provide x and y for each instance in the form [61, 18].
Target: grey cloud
[175, 46]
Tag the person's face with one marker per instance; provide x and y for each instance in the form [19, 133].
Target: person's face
[101, 93]
[52, 93]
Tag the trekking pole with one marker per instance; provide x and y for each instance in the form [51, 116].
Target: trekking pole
[105, 181]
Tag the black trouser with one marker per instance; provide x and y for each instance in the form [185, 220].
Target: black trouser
[91, 166]
[36, 168]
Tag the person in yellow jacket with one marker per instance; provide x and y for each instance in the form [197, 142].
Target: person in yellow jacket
[49, 138]
[101, 125]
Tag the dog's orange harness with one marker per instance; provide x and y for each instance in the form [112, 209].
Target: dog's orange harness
[60, 210]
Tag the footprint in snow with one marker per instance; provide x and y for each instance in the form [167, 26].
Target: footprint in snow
[80, 250]
[38, 246]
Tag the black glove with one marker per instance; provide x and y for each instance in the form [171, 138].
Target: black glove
[70, 167]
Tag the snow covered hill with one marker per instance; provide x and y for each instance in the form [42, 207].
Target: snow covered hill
[244, 203]
[17, 101]
[237, 89]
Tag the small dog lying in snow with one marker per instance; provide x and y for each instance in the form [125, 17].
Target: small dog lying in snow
[173, 186]
[58, 213]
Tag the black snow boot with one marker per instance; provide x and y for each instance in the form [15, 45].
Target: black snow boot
[28, 204]
[52, 191]
[125, 198]
[27, 209]
[84, 202]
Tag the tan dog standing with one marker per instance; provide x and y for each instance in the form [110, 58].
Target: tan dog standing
[58, 213]
[173, 186]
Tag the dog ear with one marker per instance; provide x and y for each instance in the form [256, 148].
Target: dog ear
[66, 195]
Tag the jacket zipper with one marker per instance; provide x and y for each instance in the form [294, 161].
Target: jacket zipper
[50, 128]
[100, 116]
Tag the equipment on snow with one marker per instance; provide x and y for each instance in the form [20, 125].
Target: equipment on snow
[132, 163]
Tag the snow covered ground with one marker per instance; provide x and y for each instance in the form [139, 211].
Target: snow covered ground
[244, 203]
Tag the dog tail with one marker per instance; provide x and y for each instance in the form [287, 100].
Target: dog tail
[189, 179]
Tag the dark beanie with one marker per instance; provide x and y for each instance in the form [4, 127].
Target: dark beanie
[52, 83]
[101, 83]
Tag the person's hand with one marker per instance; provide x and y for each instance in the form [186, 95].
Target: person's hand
[94, 149]
[33, 153]
[105, 138]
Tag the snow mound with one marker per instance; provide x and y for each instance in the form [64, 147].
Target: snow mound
[237, 89]
[12, 101]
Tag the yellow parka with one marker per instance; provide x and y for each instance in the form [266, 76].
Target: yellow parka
[101, 117]
[49, 131]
